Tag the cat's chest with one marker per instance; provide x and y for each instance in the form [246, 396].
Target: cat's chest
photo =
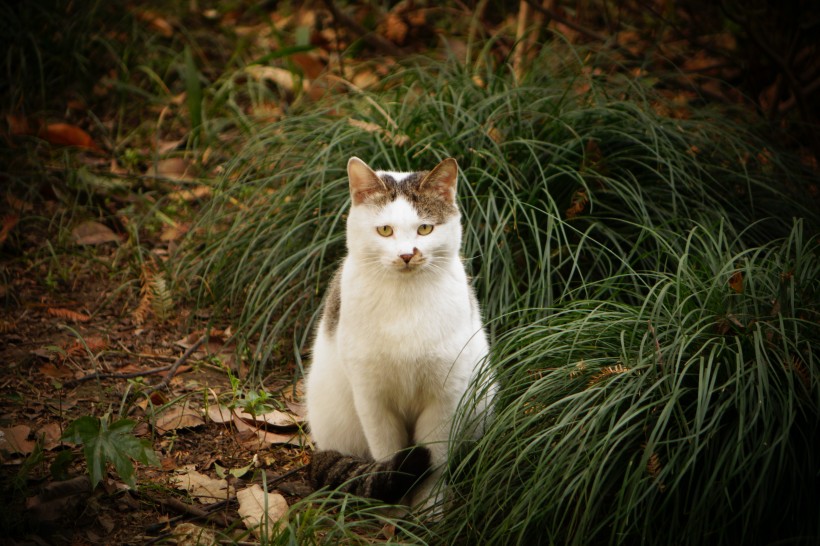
[425, 316]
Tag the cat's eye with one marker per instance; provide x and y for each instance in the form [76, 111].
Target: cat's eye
[425, 229]
[385, 231]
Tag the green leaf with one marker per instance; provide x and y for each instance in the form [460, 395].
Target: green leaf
[103, 443]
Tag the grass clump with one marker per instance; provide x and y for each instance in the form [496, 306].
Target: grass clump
[563, 183]
[649, 280]
[687, 419]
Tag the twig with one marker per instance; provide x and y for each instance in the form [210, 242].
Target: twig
[129, 375]
[373, 39]
[175, 366]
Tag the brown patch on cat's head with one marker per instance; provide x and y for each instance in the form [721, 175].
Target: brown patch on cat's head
[432, 193]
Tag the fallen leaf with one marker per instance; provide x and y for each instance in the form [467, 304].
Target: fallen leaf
[579, 203]
[8, 222]
[51, 433]
[15, 440]
[310, 63]
[157, 23]
[296, 393]
[93, 233]
[263, 513]
[18, 125]
[18, 205]
[273, 418]
[56, 372]
[173, 233]
[736, 282]
[193, 194]
[208, 490]
[65, 134]
[298, 409]
[174, 168]
[188, 534]
[220, 414]
[178, 417]
[281, 77]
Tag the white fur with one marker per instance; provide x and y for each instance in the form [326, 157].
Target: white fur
[407, 342]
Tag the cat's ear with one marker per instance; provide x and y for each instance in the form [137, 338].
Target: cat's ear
[363, 181]
[441, 181]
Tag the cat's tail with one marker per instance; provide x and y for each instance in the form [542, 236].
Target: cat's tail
[387, 481]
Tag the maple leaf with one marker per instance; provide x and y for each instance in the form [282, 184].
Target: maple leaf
[105, 442]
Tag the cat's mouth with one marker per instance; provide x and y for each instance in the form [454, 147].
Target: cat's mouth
[411, 266]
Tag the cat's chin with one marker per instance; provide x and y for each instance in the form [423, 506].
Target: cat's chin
[408, 269]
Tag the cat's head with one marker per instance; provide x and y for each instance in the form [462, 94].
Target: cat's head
[403, 222]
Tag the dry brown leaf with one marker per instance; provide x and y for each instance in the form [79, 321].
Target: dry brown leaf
[220, 414]
[18, 125]
[15, 440]
[174, 168]
[173, 233]
[157, 23]
[194, 194]
[274, 438]
[736, 282]
[93, 344]
[579, 203]
[178, 417]
[51, 433]
[273, 418]
[65, 134]
[208, 490]
[188, 534]
[93, 233]
[56, 372]
[68, 314]
[262, 512]
[18, 205]
[8, 222]
[281, 77]
[295, 393]
[312, 67]
[395, 28]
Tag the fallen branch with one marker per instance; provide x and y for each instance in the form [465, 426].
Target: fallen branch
[175, 366]
[124, 375]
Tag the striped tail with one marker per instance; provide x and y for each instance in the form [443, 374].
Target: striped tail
[387, 481]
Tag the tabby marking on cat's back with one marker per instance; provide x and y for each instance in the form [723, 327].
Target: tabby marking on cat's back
[333, 303]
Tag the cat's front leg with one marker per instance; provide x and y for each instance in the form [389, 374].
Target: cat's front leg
[433, 431]
[384, 429]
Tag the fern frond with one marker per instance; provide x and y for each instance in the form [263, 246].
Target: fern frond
[162, 302]
[68, 314]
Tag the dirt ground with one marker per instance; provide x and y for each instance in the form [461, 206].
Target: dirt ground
[52, 340]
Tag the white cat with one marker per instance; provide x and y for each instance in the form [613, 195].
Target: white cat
[400, 335]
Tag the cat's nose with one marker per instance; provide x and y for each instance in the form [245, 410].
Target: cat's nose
[406, 257]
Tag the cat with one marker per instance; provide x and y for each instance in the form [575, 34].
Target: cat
[400, 335]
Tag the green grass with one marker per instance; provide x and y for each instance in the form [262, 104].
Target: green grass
[690, 418]
[276, 227]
